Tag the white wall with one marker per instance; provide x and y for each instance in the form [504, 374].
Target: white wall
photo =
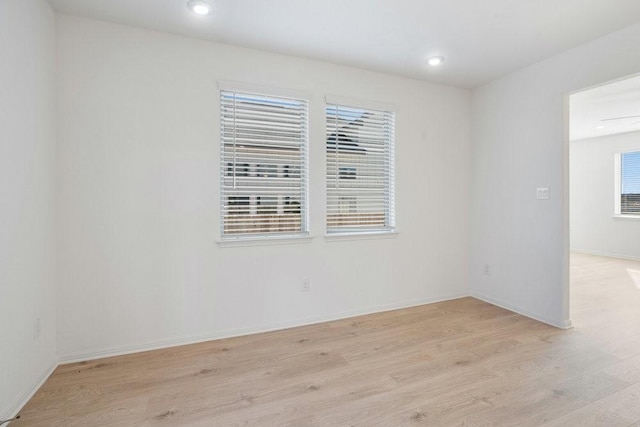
[139, 190]
[594, 229]
[27, 203]
[520, 142]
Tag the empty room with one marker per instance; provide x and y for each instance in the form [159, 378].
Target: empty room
[316, 213]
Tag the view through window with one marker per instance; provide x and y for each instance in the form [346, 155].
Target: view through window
[630, 183]
[263, 164]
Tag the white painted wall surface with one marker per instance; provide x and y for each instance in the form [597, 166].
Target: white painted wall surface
[594, 228]
[139, 194]
[519, 143]
[27, 203]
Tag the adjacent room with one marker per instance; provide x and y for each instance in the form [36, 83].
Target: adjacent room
[605, 169]
[303, 213]
[605, 212]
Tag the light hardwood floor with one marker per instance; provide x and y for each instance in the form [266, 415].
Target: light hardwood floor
[460, 362]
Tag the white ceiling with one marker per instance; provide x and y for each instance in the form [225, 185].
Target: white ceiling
[481, 39]
[591, 110]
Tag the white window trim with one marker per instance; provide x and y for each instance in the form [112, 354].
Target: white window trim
[627, 216]
[260, 239]
[256, 89]
[363, 235]
[360, 103]
[617, 195]
[263, 240]
[391, 232]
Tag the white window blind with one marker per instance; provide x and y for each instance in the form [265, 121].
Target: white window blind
[263, 165]
[360, 169]
[630, 183]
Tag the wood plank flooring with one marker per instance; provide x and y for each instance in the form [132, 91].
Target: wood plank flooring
[461, 362]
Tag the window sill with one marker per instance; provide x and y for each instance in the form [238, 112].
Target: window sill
[264, 240]
[335, 237]
[630, 217]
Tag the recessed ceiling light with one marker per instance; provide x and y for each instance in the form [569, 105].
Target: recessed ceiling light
[200, 7]
[600, 127]
[434, 61]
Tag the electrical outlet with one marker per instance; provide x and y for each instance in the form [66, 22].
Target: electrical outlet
[542, 193]
[306, 285]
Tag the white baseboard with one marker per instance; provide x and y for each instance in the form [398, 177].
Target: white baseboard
[566, 324]
[607, 254]
[15, 408]
[173, 342]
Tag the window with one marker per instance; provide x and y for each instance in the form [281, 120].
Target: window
[628, 196]
[360, 169]
[263, 165]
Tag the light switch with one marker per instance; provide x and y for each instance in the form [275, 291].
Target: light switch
[543, 193]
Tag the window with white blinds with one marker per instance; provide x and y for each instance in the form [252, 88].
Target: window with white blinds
[360, 169]
[630, 183]
[263, 165]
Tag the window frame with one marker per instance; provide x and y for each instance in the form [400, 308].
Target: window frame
[348, 173]
[256, 172]
[618, 186]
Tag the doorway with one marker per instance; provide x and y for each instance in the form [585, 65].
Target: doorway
[604, 184]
